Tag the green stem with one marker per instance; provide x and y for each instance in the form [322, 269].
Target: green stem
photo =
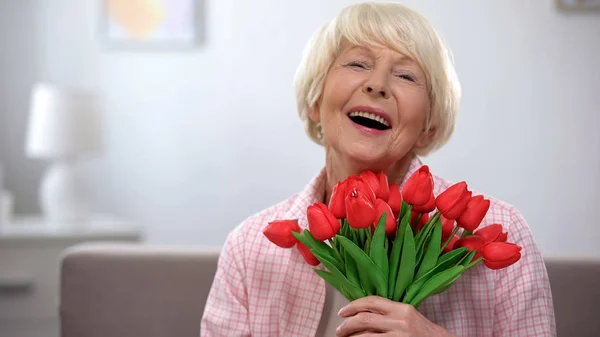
[465, 233]
[336, 251]
[474, 263]
[449, 239]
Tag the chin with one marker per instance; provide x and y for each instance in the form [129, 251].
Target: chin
[367, 155]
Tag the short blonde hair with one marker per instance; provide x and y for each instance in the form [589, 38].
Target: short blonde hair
[396, 27]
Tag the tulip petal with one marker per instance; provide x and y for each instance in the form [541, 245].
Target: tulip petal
[337, 201]
[279, 232]
[418, 187]
[395, 199]
[474, 213]
[498, 251]
[489, 233]
[503, 263]
[360, 212]
[453, 201]
[384, 187]
[372, 180]
[307, 254]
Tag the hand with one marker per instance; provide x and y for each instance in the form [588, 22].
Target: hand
[378, 316]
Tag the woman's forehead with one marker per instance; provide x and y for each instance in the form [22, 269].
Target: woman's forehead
[373, 49]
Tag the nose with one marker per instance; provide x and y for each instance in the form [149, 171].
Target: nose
[376, 90]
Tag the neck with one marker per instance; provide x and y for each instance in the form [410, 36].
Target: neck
[338, 168]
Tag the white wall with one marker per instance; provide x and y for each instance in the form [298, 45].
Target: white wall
[195, 136]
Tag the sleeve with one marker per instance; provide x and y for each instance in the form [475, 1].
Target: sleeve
[226, 310]
[523, 297]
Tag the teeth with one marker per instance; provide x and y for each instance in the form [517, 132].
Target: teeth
[369, 116]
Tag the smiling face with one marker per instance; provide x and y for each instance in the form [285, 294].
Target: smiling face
[374, 106]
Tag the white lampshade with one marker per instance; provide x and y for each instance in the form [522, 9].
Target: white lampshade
[63, 122]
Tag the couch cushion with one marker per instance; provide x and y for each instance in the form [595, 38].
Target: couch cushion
[134, 290]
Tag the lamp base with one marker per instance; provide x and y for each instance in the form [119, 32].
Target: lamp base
[63, 197]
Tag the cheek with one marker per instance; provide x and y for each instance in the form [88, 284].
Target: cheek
[414, 108]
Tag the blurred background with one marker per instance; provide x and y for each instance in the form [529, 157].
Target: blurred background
[201, 134]
[193, 127]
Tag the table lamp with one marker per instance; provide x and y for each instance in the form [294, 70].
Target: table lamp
[64, 125]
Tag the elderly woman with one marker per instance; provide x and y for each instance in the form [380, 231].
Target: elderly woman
[377, 90]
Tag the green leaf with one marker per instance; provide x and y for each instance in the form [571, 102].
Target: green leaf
[448, 284]
[467, 258]
[433, 251]
[337, 284]
[346, 293]
[320, 247]
[453, 255]
[367, 266]
[378, 251]
[351, 269]
[404, 209]
[309, 241]
[423, 237]
[330, 259]
[395, 254]
[445, 262]
[353, 290]
[437, 282]
[407, 264]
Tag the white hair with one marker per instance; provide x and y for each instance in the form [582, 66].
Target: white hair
[399, 28]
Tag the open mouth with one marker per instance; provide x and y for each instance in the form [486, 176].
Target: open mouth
[369, 120]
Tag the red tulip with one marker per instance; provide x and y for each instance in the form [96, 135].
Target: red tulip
[502, 237]
[308, 256]
[395, 199]
[413, 221]
[378, 183]
[390, 221]
[453, 201]
[321, 222]
[371, 179]
[280, 232]
[451, 244]
[360, 211]
[498, 255]
[474, 212]
[447, 228]
[419, 187]
[337, 202]
[492, 233]
[356, 183]
[384, 187]
[426, 208]
[472, 242]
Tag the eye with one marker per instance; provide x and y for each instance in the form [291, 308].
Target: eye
[357, 64]
[407, 77]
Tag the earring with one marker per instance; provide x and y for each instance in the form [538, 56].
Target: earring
[319, 130]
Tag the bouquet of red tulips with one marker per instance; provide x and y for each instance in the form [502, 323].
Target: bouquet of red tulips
[374, 239]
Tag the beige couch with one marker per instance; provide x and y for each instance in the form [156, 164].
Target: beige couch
[145, 290]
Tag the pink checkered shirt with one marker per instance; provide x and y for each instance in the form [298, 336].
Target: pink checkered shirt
[263, 290]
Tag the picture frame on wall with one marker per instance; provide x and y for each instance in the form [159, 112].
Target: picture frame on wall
[578, 5]
[151, 24]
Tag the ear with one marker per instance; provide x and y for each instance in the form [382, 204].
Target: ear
[314, 113]
[425, 138]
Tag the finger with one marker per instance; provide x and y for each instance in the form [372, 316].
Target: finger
[374, 304]
[366, 322]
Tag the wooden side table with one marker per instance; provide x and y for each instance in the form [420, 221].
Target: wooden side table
[30, 252]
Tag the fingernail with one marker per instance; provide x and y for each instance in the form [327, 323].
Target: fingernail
[342, 311]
